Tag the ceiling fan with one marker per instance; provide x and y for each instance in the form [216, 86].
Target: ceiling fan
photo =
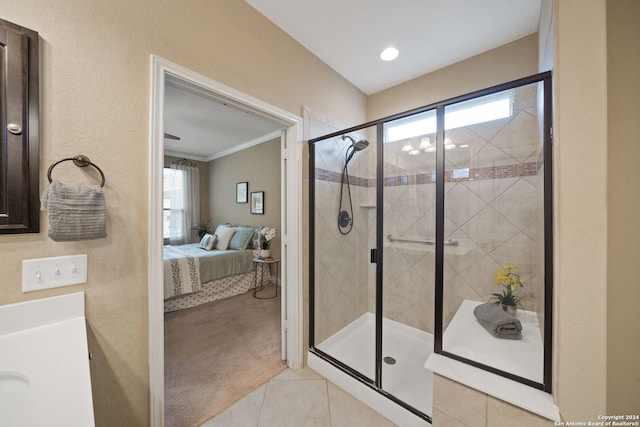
[169, 136]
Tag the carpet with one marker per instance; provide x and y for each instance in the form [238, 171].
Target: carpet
[218, 352]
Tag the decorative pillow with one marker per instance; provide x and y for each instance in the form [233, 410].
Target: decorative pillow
[257, 240]
[208, 241]
[224, 234]
[241, 238]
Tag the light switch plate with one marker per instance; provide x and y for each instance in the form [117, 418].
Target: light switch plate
[45, 273]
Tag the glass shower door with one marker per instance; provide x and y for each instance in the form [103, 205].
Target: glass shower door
[494, 201]
[344, 230]
[413, 219]
[408, 279]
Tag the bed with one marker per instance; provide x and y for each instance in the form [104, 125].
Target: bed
[194, 275]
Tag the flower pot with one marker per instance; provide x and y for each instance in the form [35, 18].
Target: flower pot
[265, 253]
[511, 309]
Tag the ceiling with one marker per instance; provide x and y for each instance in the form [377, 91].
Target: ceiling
[430, 34]
[208, 127]
[349, 36]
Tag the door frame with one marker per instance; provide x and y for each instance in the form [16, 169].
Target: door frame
[291, 220]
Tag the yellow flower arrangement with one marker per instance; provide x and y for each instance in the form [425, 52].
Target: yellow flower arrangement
[509, 280]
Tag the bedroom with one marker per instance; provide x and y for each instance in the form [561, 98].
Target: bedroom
[233, 154]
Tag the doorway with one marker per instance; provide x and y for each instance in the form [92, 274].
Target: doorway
[291, 173]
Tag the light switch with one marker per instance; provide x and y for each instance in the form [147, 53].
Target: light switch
[45, 273]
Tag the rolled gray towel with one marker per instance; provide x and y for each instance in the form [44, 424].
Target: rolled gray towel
[75, 213]
[498, 322]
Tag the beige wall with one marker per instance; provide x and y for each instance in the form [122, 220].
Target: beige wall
[505, 63]
[580, 152]
[260, 167]
[95, 101]
[623, 152]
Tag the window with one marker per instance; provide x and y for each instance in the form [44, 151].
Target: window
[173, 188]
[485, 109]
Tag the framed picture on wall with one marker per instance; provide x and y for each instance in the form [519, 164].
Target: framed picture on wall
[257, 202]
[241, 192]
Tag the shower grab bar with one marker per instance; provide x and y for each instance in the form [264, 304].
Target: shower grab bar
[450, 242]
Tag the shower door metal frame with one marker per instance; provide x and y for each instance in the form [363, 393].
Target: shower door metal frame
[377, 253]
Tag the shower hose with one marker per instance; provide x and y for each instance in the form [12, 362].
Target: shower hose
[345, 219]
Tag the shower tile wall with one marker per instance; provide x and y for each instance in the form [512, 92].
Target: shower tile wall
[494, 214]
[341, 261]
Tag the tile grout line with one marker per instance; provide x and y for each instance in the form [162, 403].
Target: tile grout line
[326, 388]
[264, 396]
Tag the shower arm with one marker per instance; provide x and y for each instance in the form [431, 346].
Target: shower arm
[450, 242]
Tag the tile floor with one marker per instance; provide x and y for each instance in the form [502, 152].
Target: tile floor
[296, 399]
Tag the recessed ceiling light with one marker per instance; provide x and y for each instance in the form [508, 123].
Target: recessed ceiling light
[389, 54]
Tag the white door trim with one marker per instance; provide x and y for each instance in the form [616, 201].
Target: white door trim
[292, 214]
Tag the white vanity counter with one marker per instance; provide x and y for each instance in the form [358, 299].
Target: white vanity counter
[45, 343]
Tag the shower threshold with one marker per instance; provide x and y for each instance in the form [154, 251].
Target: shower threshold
[406, 380]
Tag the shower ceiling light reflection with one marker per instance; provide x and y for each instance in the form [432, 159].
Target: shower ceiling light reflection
[427, 146]
[425, 143]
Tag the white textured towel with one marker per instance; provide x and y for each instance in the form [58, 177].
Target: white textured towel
[75, 213]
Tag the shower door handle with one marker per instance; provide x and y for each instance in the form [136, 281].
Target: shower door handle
[374, 256]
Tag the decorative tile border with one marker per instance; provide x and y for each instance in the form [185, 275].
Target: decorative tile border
[475, 174]
[330, 176]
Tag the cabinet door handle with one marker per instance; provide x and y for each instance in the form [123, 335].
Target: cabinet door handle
[14, 129]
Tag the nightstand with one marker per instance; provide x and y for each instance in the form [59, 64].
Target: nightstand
[265, 263]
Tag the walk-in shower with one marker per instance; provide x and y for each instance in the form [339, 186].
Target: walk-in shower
[345, 217]
[346, 328]
[431, 203]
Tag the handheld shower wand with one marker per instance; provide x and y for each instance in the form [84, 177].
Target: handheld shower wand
[345, 218]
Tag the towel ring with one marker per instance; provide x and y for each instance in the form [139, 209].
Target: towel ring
[80, 161]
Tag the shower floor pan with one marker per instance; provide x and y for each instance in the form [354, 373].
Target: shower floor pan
[406, 379]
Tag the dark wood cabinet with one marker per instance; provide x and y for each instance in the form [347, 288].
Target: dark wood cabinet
[19, 114]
